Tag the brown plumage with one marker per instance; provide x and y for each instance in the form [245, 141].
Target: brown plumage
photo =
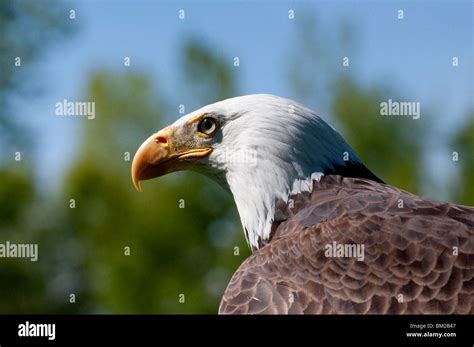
[419, 255]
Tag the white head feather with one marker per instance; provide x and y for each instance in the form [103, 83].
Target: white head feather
[268, 148]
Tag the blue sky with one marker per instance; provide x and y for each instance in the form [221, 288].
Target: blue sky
[414, 55]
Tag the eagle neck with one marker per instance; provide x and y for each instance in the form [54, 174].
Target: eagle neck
[256, 201]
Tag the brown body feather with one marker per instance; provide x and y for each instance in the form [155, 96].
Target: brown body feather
[418, 255]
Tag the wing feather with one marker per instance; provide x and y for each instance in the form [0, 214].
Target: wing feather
[418, 255]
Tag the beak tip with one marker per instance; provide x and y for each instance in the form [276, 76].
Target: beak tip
[136, 179]
[136, 184]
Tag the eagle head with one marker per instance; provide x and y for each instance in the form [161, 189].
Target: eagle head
[262, 148]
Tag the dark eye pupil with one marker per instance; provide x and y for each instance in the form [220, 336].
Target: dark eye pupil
[207, 125]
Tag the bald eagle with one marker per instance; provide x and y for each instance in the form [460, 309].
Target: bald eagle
[326, 234]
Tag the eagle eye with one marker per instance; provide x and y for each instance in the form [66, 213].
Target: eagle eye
[207, 126]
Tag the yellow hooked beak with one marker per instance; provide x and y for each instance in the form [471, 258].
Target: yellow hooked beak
[158, 155]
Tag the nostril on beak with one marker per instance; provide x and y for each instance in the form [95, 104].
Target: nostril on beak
[161, 139]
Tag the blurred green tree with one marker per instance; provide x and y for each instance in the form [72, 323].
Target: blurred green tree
[27, 28]
[208, 75]
[463, 144]
[389, 146]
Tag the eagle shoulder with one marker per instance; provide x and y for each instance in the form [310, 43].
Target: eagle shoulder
[418, 255]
